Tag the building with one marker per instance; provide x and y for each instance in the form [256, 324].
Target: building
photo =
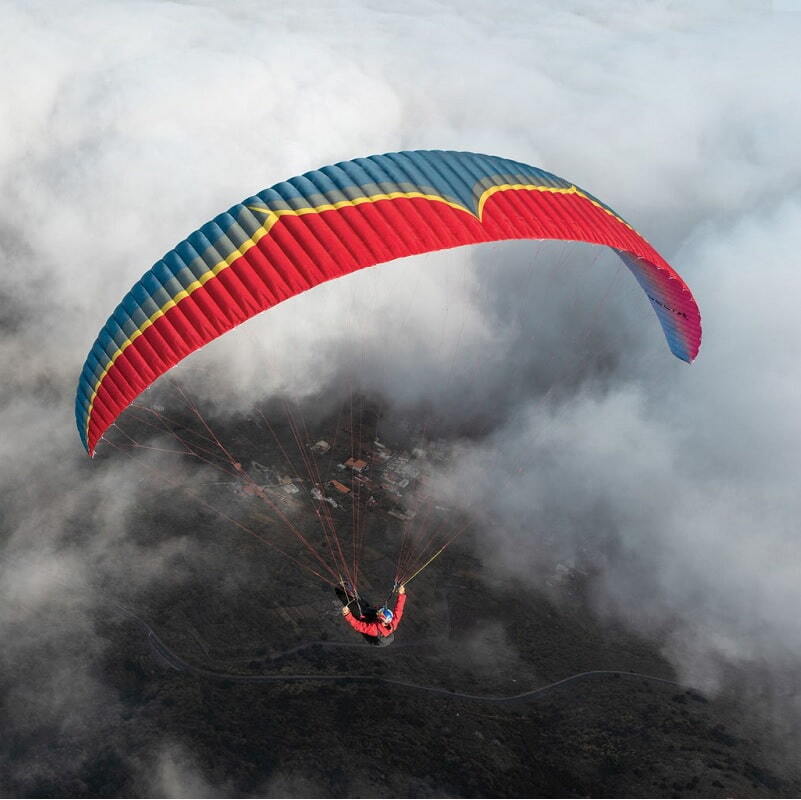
[356, 464]
[340, 487]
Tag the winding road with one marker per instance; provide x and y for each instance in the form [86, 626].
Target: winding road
[178, 663]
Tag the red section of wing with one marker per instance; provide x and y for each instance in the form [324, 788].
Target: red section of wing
[301, 252]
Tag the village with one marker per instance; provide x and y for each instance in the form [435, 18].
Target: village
[378, 479]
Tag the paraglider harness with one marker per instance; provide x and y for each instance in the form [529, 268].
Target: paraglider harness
[364, 611]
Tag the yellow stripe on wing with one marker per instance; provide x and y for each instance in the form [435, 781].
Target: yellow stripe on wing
[357, 201]
[548, 189]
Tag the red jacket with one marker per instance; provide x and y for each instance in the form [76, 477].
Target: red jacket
[377, 628]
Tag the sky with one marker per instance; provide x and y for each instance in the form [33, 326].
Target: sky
[128, 124]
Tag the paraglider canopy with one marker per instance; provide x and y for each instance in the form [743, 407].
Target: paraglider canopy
[331, 222]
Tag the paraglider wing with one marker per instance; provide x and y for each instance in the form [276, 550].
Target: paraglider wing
[333, 221]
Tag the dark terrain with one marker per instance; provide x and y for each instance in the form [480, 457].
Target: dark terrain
[243, 660]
